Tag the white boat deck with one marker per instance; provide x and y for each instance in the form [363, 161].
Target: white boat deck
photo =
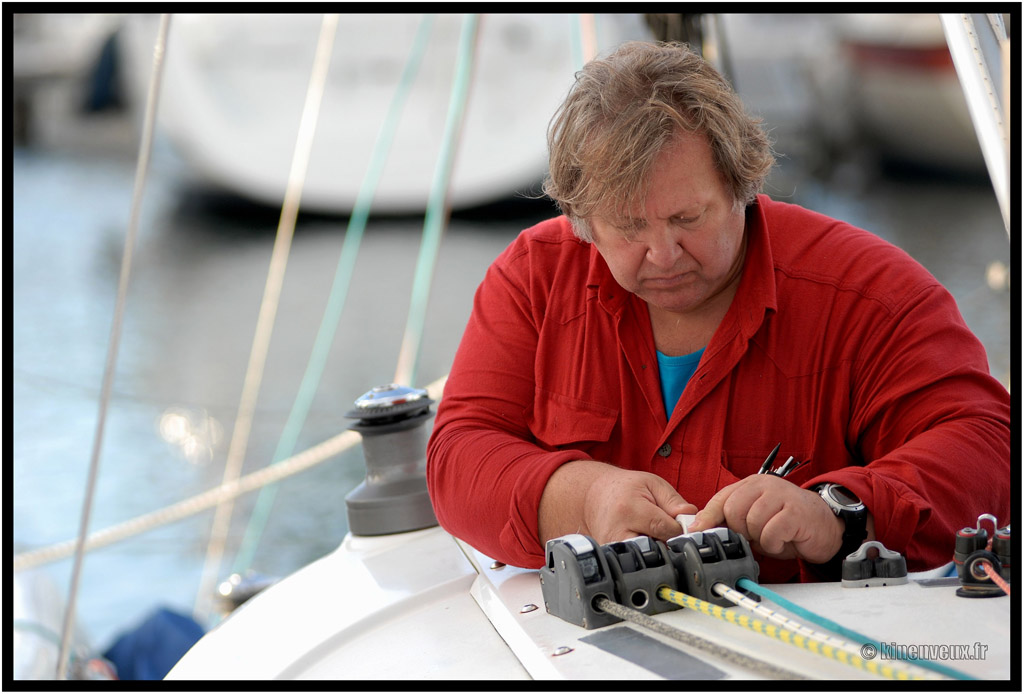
[422, 605]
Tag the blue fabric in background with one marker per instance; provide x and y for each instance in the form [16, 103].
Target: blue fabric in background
[149, 651]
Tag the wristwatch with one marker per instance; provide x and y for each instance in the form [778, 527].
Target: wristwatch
[853, 513]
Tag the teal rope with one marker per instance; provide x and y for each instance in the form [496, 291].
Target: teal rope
[434, 221]
[882, 649]
[576, 41]
[336, 300]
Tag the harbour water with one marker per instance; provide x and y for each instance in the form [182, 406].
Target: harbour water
[198, 277]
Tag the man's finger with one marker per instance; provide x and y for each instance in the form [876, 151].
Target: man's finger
[778, 531]
[713, 513]
[669, 500]
[664, 527]
[758, 514]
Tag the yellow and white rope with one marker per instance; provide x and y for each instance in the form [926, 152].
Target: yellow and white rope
[786, 636]
[782, 620]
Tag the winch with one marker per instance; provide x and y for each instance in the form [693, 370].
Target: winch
[578, 572]
[393, 498]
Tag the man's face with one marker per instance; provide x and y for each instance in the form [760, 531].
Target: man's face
[689, 249]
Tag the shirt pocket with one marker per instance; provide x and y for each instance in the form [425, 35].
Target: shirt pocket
[559, 421]
[739, 464]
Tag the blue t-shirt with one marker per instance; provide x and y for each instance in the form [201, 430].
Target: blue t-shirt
[675, 372]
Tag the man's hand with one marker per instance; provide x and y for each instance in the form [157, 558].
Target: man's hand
[779, 519]
[609, 504]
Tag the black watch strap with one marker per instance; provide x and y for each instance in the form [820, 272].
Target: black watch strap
[853, 513]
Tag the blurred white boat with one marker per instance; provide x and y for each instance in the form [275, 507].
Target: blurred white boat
[904, 91]
[234, 87]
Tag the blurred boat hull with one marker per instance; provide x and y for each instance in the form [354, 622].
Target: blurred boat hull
[905, 93]
[234, 87]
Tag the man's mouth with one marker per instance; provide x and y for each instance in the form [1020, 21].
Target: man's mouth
[665, 280]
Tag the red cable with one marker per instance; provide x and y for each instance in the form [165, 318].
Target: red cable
[994, 576]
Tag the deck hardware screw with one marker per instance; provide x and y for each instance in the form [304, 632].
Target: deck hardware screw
[528, 608]
[562, 650]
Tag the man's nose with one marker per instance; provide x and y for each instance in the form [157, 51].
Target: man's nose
[663, 249]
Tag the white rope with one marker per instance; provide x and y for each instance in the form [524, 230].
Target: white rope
[588, 29]
[193, 505]
[268, 311]
[115, 340]
[206, 500]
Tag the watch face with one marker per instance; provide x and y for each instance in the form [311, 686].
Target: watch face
[843, 496]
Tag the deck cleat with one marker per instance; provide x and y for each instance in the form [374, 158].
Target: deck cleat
[715, 555]
[574, 575]
[641, 566]
[889, 568]
[631, 573]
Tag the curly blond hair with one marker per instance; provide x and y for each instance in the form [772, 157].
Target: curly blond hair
[624, 109]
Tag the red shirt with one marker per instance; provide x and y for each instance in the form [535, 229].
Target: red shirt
[837, 344]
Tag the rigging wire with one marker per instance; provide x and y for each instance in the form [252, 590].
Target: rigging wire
[438, 205]
[268, 309]
[142, 167]
[881, 648]
[781, 634]
[336, 299]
